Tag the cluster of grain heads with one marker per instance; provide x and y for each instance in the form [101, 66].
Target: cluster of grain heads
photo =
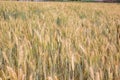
[59, 41]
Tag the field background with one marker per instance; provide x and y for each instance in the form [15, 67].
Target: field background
[68, 0]
[59, 41]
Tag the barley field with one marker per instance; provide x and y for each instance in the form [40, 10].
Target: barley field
[59, 41]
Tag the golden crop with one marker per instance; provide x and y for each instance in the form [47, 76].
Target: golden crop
[59, 41]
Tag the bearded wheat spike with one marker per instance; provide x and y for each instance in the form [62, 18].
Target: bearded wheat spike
[12, 73]
[31, 77]
[21, 74]
[21, 55]
[50, 78]
[72, 60]
[92, 73]
[5, 57]
[56, 78]
[97, 76]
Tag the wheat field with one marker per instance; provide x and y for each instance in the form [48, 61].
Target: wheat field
[59, 41]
